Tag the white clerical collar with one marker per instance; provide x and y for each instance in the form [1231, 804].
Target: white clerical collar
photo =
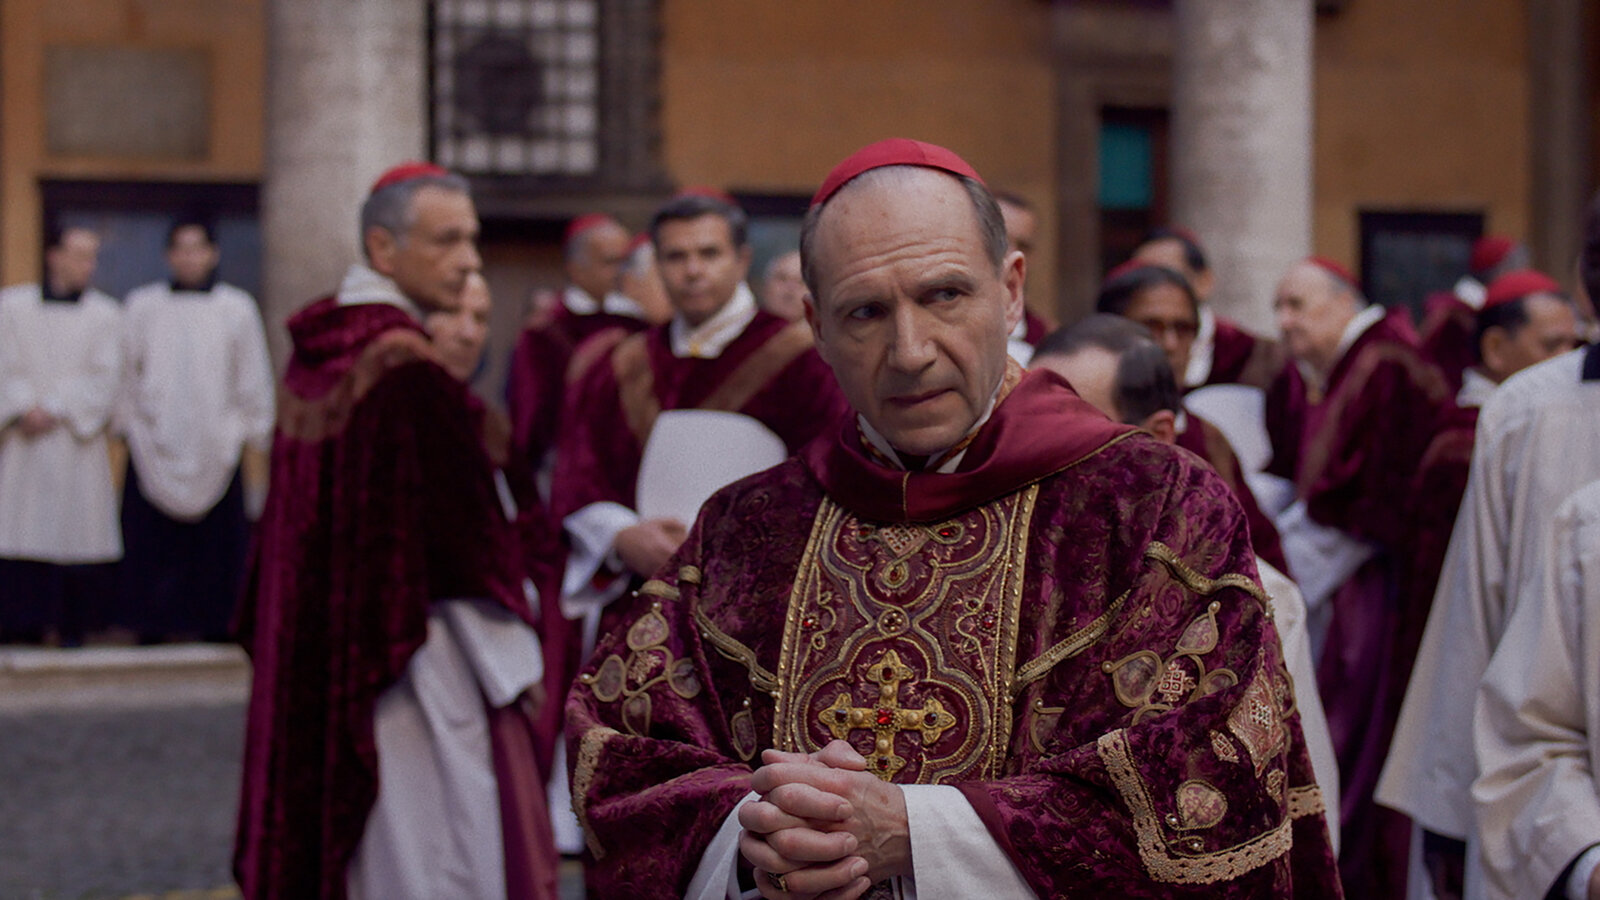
[363, 285]
[579, 303]
[1202, 351]
[882, 445]
[708, 339]
[1470, 291]
[1475, 389]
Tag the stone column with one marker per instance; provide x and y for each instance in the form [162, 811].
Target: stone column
[346, 98]
[1559, 134]
[1241, 143]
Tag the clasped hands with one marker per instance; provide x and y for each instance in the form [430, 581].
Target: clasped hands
[823, 827]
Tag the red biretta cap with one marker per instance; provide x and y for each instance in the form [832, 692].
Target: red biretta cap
[1489, 251]
[1516, 285]
[583, 223]
[1126, 266]
[892, 152]
[1334, 268]
[405, 172]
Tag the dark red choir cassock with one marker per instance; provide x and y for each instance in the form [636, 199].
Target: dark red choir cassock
[1448, 329]
[1068, 629]
[770, 372]
[1353, 456]
[1240, 357]
[543, 363]
[1435, 499]
[1204, 440]
[383, 500]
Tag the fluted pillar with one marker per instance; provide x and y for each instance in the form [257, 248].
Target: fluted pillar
[1241, 143]
[346, 98]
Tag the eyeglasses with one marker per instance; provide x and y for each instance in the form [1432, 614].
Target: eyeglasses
[1182, 330]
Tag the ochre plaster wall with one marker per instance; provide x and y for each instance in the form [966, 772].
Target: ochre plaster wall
[233, 34]
[767, 97]
[1420, 105]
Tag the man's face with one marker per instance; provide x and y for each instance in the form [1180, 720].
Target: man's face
[912, 315]
[783, 293]
[191, 256]
[430, 262]
[1022, 226]
[699, 265]
[602, 251]
[1551, 330]
[1312, 313]
[1093, 374]
[1165, 310]
[70, 265]
[459, 334]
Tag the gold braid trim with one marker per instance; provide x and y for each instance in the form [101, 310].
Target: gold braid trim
[1159, 861]
[1198, 583]
[1074, 644]
[760, 678]
[657, 588]
[594, 740]
[1306, 801]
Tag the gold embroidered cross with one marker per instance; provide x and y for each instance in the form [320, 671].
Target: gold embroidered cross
[888, 719]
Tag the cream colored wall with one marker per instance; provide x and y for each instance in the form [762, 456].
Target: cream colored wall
[768, 96]
[1420, 105]
[232, 31]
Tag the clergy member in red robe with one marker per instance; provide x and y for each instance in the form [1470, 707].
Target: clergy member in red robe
[1164, 302]
[1526, 318]
[386, 613]
[594, 251]
[978, 638]
[1350, 420]
[1449, 318]
[1022, 230]
[1224, 352]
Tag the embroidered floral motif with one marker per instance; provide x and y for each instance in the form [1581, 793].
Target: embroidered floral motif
[743, 729]
[649, 663]
[1044, 722]
[1200, 805]
[1258, 720]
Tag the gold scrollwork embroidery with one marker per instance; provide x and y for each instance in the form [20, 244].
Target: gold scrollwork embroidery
[649, 663]
[1074, 644]
[1044, 719]
[1155, 851]
[594, 740]
[1198, 583]
[731, 648]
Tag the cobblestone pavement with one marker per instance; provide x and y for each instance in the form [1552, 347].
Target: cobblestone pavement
[108, 799]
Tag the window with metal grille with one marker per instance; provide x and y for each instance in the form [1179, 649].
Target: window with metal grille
[516, 87]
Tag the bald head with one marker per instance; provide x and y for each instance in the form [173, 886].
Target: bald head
[914, 293]
[594, 258]
[1313, 307]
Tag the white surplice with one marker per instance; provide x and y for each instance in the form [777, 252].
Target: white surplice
[1538, 718]
[198, 389]
[57, 503]
[1535, 445]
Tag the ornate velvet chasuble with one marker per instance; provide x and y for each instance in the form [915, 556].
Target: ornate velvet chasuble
[902, 640]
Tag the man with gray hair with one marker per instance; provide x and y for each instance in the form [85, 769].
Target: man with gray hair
[396, 669]
[975, 640]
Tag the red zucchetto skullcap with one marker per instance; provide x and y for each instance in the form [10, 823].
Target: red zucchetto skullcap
[1333, 268]
[709, 192]
[1490, 251]
[583, 223]
[639, 240]
[1123, 268]
[1516, 285]
[405, 172]
[892, 152]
